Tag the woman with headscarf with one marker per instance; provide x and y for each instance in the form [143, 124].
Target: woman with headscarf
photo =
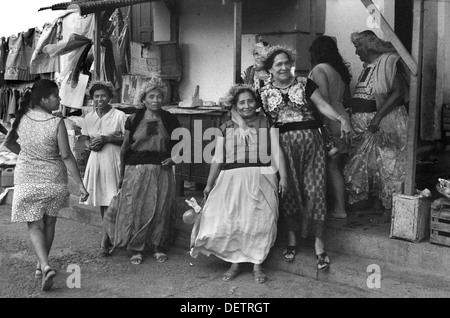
[238, 222]
[376, 169]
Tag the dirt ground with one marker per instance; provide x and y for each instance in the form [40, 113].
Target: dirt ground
[180, 277]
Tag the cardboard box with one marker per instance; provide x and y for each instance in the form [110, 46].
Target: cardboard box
[410, 218]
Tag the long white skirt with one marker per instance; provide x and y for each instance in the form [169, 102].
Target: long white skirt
[238, 222]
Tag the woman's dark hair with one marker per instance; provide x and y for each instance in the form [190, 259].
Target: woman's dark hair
[242, 90]
[43, 88]
[324, 50]
[99, 86]
[267, 65]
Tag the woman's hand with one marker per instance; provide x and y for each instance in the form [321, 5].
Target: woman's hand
[167, 163]
[374, 124]
[346, 129]
[207, 190]
[282, 186]
[84, 194]
[97, 143]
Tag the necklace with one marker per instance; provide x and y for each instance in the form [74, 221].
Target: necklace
[284, 86]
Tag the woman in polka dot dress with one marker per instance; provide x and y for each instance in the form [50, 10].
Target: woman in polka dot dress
[40, 180]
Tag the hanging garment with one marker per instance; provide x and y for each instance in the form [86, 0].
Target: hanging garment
[3, 53]
[42, 62]
[21, 48]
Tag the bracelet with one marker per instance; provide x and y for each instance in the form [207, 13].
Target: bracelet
[339, 118]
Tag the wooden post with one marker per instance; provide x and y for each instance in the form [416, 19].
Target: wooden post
[414, 97]
[237, 41]
[391, 36]
[97, 44]
[312, 20]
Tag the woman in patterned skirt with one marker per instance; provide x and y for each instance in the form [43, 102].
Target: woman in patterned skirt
[293, 104]
[40, 178]
[145, 215]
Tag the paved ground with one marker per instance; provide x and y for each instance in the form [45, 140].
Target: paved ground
[180, 277]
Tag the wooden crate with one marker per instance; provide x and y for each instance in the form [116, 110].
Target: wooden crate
[440, 222]
[410, 218]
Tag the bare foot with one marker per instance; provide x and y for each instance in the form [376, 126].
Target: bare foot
[340, 215]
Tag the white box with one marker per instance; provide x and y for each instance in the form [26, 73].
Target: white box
[410, 218]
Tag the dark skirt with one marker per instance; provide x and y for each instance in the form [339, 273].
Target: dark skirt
[144, 214]
[304, 204]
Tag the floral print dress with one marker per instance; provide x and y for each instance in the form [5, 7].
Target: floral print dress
[304, 205]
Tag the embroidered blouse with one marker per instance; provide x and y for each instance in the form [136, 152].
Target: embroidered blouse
[290, 104]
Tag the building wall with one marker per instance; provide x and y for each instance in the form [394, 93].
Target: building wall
[206, 43]
[344, 17]
[215, 75]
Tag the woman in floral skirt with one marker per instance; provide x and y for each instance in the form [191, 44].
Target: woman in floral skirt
[293, 104]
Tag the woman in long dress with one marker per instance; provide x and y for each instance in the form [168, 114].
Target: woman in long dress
[40, 177]
[145, 214]
[376, 169]
[294, 104]
[104, 128]
[238, 222]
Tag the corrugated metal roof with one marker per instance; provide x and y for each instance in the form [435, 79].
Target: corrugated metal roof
[91, 6]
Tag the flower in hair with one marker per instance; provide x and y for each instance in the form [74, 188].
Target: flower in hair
[229, 97]
[153, 82]
[269, 51]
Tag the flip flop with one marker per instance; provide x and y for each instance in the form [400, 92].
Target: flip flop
[259, 276]
[289, 253]
[38, 272]
[323, 262]
[160, 257]
[136, 259]
[47, 278]
[230, 274]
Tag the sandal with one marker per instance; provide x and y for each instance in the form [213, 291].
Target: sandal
[289, 253]
[38, 272]
[104, 252]
[47, 278]
[160, 257]
[323, 261]
[230, 274]
[259, 276]
[136, 259]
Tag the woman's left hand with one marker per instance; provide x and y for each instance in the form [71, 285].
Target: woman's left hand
[167, 163]
[346, 130]
[282, 186]
[374, 124]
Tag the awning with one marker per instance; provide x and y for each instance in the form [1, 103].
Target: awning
[92, 6]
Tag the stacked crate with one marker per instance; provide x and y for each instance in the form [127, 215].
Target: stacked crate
[440, 222]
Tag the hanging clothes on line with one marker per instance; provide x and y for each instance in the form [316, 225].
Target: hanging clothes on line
[21, 49]
[42, 62]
